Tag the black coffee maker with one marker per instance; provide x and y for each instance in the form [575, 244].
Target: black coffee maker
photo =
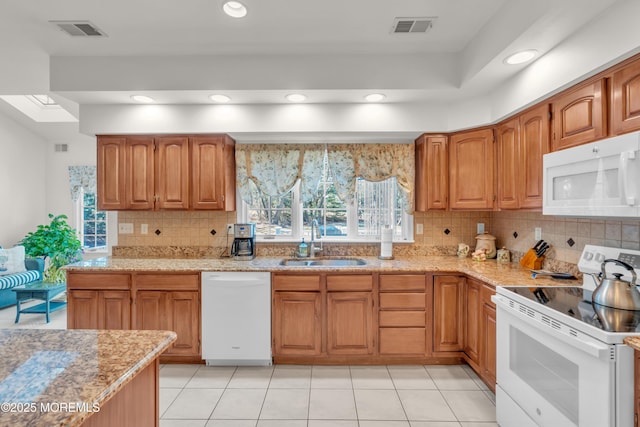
[244, 242]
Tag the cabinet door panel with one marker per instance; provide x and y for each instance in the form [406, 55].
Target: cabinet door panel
[152, 310]
[355, 282]
[185, 321]
[296, 326]
[626, 99]
[82, 310]
[111, 173]
[207, 172]
[448, 309]
[172, 172]
[350, 323]
[509, 164]
[114, 310]
[401, 318]
[534, 143]
[403, 282]
[473, 320]
[579, 116]
[437, 173]
[140, 172]
[488, 358]
[471, 170]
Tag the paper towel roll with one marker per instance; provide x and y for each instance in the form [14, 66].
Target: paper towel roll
[386, 243]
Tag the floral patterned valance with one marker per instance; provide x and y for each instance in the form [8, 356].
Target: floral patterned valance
[373, 162]
[81, 178]
[275, 168]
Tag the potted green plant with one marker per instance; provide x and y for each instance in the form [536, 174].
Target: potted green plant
[56, 241]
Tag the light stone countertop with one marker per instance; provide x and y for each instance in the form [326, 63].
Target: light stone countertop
[497, 274]
[44, 369]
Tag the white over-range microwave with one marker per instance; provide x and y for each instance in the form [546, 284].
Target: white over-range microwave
[597, 179]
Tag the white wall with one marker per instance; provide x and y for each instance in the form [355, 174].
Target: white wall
[23, 181]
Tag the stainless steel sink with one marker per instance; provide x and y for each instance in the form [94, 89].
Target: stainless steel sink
[323, 262]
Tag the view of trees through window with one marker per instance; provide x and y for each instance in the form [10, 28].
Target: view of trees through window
[93, 228]
[374, 206]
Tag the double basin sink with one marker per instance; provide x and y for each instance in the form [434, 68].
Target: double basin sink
[323, 262]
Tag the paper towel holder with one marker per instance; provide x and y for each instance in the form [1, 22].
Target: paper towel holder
[387, 230]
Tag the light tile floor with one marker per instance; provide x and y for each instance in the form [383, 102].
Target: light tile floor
[310, 396]
[324, 396]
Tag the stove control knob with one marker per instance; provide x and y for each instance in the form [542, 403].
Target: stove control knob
[588, 256]
[599, 257]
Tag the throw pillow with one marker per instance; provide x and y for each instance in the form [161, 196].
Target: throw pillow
[12, 260]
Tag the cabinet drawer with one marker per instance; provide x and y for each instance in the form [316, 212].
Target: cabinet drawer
[98, 281]
[402, 301]
[403, 282]
[296, 282]
[167, 281]
[403, 341]
[350, 283]
[402, 318]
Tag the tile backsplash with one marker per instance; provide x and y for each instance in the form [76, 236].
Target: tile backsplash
[189, 234]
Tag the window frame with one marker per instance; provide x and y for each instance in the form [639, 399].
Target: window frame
[297, 226]
[79, 226]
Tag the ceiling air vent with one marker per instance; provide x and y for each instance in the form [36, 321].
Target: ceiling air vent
[412, 25]
[79, 28]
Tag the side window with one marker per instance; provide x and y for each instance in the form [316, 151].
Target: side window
[92, 223]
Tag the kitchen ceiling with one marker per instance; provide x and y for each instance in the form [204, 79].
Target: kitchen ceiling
[334, 51]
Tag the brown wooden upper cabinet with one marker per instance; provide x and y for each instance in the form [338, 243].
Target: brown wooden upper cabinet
[580, 115]
[471, 170]
[625, 102]
[432, 166]
[522, 141]
[154, 172]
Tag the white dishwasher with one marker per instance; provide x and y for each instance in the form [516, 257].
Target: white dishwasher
[236, 318]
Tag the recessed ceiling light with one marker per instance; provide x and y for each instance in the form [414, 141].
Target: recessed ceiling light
[521, 57]
[235, 9]
[219, 98]
[375, 97]
[296, 97]
[142, 98]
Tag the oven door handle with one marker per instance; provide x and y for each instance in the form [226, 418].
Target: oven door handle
[596, 349]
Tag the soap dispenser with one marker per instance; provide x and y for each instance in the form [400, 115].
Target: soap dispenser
[303, 249]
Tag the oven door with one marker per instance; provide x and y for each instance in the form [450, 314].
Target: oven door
[555, 378]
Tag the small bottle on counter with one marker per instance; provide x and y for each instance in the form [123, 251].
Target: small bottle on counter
[303, 249]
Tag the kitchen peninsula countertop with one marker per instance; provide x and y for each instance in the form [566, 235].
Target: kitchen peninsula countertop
[497, 274]
[61, 377]
[633, 342]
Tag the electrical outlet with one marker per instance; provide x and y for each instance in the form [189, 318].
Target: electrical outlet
[125, 228]
[229, 228]
[537, 233]
[419, 229]
[144, 228]
[480, 227]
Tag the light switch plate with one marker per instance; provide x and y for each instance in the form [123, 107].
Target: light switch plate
[419, 229]
[480, 228]
[537, 233]
[144, 228]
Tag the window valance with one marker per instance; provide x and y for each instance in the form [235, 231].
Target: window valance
[275, 168]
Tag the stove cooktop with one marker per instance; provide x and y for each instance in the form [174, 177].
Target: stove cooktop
[575, 302]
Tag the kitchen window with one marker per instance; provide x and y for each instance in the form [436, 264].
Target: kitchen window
[288, 217]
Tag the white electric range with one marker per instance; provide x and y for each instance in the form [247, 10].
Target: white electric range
[561, 360]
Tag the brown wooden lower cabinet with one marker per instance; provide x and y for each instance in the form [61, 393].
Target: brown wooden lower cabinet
[488, 338]
[448, 313]
[297, 326]
[350, 323]
[129, 300]
[472, 329]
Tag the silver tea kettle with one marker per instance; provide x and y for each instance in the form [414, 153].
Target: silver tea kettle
[616, 292]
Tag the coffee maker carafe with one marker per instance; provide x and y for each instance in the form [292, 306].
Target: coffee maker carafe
[244, 242]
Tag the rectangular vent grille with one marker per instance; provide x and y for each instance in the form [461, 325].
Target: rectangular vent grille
[79, 28]
[412, 25]
[61, 148]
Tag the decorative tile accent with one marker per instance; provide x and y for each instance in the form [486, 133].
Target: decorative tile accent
[447, 231]
[212, 232]
[157, 232]
[571, 242]
[515, 234]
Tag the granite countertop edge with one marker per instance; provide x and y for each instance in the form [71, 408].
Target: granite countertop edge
[490, 271]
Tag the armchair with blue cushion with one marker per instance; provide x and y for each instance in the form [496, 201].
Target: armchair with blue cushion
[34, 266]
